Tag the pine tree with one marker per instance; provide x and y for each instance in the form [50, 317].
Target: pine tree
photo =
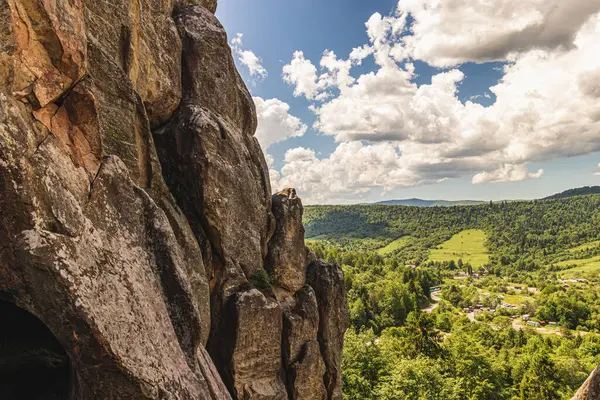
[540, 382]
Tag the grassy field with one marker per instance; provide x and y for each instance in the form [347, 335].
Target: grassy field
[586, 246]
[514, 299]
[467, 245]
[518, 299]
[580, 266]
[395, 245]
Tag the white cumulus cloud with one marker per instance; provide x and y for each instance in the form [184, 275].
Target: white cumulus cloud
[248, 58]
[395, 133]
[450, 32]
[302, 74]
[275, 124]
[507, 173]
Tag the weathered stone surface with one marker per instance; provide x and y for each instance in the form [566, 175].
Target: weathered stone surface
[210, 5]
[8, 46]
[590, 390]
[212, 163]
[254, 368]
[117, 263]
[328, 282]
[287, 256]
[301, 354]
[307, 374]
[141, 38]
[301, 324]
[100, 266]
[50, 54]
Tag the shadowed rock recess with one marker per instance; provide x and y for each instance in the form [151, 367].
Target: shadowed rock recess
[138, 236]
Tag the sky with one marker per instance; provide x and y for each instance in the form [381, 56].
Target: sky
[364, 101]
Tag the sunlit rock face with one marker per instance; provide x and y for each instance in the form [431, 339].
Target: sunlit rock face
[590, 390]
[137, 226]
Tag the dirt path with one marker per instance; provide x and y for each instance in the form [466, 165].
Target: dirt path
[436, 303]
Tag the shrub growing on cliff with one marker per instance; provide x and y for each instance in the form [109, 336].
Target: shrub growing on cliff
[261, 280]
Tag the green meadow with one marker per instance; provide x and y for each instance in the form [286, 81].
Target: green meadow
[586, 246]
[395, 245]
[583, 266]
[468, 245]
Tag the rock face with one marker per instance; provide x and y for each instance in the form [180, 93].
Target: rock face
[591, 388]
[328, 283]
[285, 263]
[301, 353]
[136, 218]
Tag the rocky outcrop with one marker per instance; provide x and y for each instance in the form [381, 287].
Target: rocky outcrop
[590, 390]
[254, 369]
[286, 261]
[328, 283]
[301, 353]
[136, 218]
[211, 159]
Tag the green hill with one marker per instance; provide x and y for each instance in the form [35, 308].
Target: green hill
[430, 203]
[521, 235]
[575, 192]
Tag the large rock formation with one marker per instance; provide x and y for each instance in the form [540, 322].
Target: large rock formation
[590, 390]
[136, 218]
[284, 262]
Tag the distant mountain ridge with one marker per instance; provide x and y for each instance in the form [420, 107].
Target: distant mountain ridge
[575, 192]
[415, 202]
[430, 203]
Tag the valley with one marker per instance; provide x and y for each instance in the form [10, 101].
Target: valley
[519, 294]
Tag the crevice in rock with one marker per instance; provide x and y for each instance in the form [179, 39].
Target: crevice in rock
[37, 148]
[125, 47]
[143, 143]
[182, 312]
[93, 180]
[222, 130]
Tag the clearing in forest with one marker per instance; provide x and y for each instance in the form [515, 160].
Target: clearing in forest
[586, 246]
[467, 245]
[395, 245]
[580, 266]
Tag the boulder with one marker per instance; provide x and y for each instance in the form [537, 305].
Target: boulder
[253, 345]
[211, 160]
[215, 169]
[306, 374]
[100, 265]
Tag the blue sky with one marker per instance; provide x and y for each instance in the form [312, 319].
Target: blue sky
[453, 139]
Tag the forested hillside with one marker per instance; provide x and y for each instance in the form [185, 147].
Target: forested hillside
[429, 203]
[521, 235]
[517, 315]
[575, 192]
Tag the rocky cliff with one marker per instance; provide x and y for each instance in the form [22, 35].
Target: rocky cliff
[138, 234]
[590, 390]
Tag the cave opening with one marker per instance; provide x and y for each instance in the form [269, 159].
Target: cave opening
[33, 364]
